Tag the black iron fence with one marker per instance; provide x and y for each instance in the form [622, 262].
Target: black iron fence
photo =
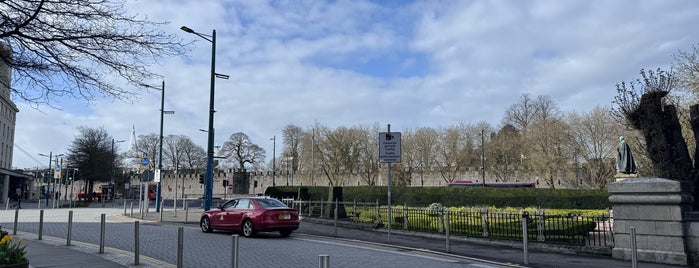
[568, 229]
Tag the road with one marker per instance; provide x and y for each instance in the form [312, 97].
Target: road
[214, 249]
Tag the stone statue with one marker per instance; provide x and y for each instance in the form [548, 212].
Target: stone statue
[624, 159]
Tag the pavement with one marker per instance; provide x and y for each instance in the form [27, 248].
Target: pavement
[54, 253]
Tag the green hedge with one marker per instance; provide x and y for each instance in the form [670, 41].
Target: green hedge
[459, 196]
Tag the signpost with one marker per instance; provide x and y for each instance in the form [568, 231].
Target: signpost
[389, 152]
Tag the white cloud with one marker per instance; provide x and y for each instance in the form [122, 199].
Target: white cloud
[299, 62]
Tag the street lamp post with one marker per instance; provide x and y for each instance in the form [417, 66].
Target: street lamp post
[209, 180]
[50, 156]
[158, 190]
[274, 159]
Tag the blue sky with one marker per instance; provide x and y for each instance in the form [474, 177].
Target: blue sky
[407, 63]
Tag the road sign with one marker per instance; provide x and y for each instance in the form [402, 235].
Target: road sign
[389, 147]
[157, 175]
[57, 174]
[144, 161]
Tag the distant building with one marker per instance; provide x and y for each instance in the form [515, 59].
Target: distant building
[12, 184]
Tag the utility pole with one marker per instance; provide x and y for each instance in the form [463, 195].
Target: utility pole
[483, 155]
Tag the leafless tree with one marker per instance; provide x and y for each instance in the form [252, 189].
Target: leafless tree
[521, 114]
[686, 68]
[505, 154]
[146, 146]
[75, 48]
[424, 141]
[240, 149]
[368, 165]
[594, 137]
[291, 135]
[193, 156]
[452, 152]
[549, 142]
[338, 152]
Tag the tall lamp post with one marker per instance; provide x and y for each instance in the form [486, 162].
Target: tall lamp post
[50, 156]
[274, 159]
[158, 190]
[209, 179]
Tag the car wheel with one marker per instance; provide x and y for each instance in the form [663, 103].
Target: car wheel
[248, 228]
[205, 225]
[285, 233]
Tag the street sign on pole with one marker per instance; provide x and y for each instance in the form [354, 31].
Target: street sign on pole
[57, 174]
[144, 161]
[157, 175]
[389, 147]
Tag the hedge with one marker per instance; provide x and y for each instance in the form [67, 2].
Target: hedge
[456, 196]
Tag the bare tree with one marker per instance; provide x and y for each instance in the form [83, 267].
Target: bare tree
[549, 151]
[424, 141]
[146, 146]
[368, 165]
[338, 152]
[240, 149]
[452, 152]
[74, 48]
[291, 135]
[92, 154]
[686, 68]
[522, 113]
[594, 137]
[173, 149]
[505, 154]
[193, 156]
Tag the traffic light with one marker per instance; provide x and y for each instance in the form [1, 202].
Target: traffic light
[225, 183]
[201, 178]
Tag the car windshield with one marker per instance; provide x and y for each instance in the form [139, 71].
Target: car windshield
[271, 203]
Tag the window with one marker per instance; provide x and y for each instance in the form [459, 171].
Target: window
[270, 203]
[230, 204]
[243, 203]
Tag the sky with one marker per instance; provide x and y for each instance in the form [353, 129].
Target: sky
[343, 63]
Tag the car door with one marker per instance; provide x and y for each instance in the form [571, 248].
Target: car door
[236, 214]
[221, 216]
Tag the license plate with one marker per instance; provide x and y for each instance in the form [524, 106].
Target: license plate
[284, 216]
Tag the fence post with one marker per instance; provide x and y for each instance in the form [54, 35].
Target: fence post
[378, 215]
[180, 245]
[131, 209]
[136, 244]
[540, 220]
[525, 238]
[102, 219]
[405, 216]
[41, 223]
[235, 250]
[354, 211]
[14, 229]
[484, 220]
[321, 208]
[335, 215]
[447, 230]
[70, 227]
[634, 256]
[324, 261]
[186, 211]
[124, 208]
[161, 209]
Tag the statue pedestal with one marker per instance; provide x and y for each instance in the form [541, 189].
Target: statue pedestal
[622, 176]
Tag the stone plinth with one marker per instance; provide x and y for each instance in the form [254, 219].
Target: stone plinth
[655, 207]
[622, 176]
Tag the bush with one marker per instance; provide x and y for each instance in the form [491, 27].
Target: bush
[460, 196]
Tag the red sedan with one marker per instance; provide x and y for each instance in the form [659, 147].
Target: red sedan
[250, 215]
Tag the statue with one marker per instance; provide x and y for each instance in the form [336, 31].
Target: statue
[624, 159]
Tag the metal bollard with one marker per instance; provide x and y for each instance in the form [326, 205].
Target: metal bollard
[186, 212]
[136, 243]
[39, 204]
[102, 219]
[131, 209]
[525, 238]
[634, 252]
[447, 230]
[161, 210]
[70, 227]
[41, 223]
[14, 229]
[124, 208]
[234, 250]
[174, 207]
[180, 246]
[324, 261]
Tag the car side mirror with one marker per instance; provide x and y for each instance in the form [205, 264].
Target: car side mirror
[220, 207]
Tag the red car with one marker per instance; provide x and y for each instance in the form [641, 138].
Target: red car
[250, 215]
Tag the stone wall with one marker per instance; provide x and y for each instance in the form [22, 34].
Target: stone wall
[656, 208]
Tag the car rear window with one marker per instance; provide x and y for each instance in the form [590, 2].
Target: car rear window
[271, 203]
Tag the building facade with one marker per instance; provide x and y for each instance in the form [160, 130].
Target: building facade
[12, 184]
